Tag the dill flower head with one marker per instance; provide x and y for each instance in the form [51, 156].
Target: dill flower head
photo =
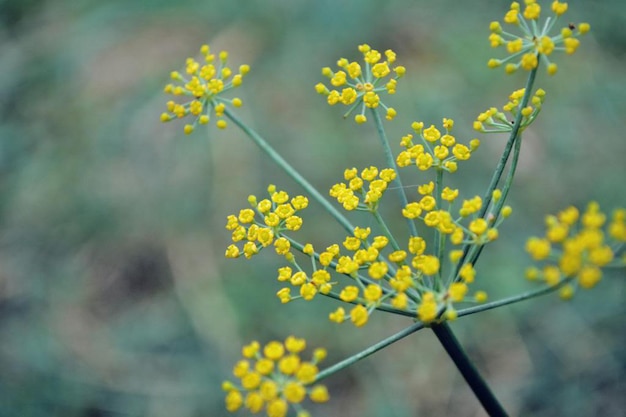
[203, 84]
[576, 247]
[495, 121]
[360, 87]
[377, 273]
[264, 222]
[435, 149]
[537, 41]
[274, 377]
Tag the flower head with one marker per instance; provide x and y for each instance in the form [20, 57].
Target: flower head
[495, 121]
[360, 87]
[576, 247]
[537, 41]
[274, 378]
[204, 85]
[264, 224]
[437, 149]
[365, 191]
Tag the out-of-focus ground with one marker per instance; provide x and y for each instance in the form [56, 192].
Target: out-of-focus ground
[115, 297]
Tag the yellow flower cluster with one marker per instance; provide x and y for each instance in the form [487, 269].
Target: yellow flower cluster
[274, 377]
[205, 84]
[360, 87]
[479, 231]
[391, 278]
[494, 121]
[576, 247]
[362, 192]
[436, 150]
[381, 274]
[278, 213]
[536, 41]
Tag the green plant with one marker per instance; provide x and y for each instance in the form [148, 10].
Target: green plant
[426, 279]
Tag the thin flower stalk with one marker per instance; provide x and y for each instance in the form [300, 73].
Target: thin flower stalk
[290, 170]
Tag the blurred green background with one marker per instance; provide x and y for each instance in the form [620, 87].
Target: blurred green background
[115, 298]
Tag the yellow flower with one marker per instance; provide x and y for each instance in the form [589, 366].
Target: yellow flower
[362, 89]
[535, 44]
[275, 388]
[578, 247]
[205, 83]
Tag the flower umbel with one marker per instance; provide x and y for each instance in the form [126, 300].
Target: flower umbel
[205, 83]
[495, 121]
[274, 377]
[361, 88]
[436, 150]
[575, 248]
[536, 42]
[278, 214]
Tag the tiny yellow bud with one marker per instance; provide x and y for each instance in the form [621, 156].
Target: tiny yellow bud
[584, 28]
[360, 118]
[188, 129]
[494, 63]
[480, 296]
[552, 68]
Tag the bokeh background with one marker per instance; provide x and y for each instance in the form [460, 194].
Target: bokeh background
[115, 297]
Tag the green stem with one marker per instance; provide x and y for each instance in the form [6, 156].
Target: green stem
[505, 192]
[367, 352]
[392, 164]
[439, 237]
[495, 179]
[291, 171]
[497, 174]
[511, 300]
[468, 370]
[387, 232]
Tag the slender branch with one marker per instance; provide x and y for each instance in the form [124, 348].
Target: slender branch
[509, 144]
[505, 192]
[497, 174]
[440, 239]
[381, 222]
[468, 370]
[392, 164]
[291, 171]
[511, 300]
[369, 351]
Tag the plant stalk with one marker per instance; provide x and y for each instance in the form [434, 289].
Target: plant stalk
[468, 370]
[291, 171]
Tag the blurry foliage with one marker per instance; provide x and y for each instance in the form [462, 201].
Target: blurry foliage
[115, 299]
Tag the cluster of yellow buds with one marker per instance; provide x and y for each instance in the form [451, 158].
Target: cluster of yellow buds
[436, 150]
[361, 88]
[275, 378]
[278, 213]
[495, 121]
[362, 192]
[205, 84]
[576, 248]
[536, 43]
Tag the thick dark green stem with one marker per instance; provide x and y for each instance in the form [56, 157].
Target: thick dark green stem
[468, 370]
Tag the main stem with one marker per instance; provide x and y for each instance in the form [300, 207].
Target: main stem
[468, 370]
[291, 171]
